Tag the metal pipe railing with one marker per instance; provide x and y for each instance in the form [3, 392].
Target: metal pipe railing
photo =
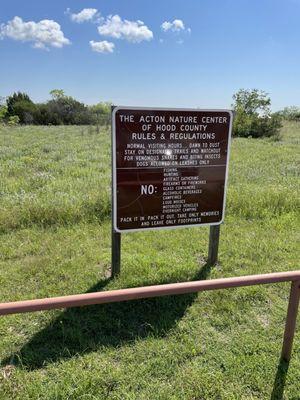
[171, 289]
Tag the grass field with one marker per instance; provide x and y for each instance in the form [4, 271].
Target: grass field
[55, 240]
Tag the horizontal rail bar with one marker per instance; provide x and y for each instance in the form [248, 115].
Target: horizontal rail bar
[144, 292]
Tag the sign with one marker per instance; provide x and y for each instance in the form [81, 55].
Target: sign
[169, 167]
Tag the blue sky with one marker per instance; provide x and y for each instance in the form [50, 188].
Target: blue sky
[216, 48]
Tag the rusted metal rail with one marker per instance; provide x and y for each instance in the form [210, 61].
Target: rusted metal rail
[111, 296]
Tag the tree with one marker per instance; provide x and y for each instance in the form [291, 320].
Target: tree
[253, 115]
[66, 110]
[42, 114]
[57, 94]
[21, 105]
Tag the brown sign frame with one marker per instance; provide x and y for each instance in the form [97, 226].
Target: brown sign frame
[114, 166]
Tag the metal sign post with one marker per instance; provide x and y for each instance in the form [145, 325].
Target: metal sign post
[115, 253]
[115, 236]
[291, 319]
[213, 245]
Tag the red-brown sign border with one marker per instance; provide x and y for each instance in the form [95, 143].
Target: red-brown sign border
[114, 165]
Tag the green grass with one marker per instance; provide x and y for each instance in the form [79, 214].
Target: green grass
[55, 240]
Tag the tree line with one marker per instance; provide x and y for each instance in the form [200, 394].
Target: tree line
[59, 110]
[252, 112]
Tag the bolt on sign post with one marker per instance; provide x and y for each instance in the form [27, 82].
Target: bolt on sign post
[169, 170]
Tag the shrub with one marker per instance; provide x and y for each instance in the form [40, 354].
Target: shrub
[253, 116]
[59, 110]
[100, 113]
[13, 120]
[291, 113]
[3, 112]
[62, 109]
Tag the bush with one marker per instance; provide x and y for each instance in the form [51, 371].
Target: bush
[3, 112]
[291, 113]
[13, 120]
[100, 113]
[253, 116]
[65, 110]
[60, 110]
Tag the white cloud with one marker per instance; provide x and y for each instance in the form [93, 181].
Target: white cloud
[175, 26]
[178, 24]
[87, 14]
[132, 31]
[102, 47]
[165, 26]
[43, 33]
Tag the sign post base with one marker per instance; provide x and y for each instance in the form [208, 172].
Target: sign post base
[213, 247]
[115, 253]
